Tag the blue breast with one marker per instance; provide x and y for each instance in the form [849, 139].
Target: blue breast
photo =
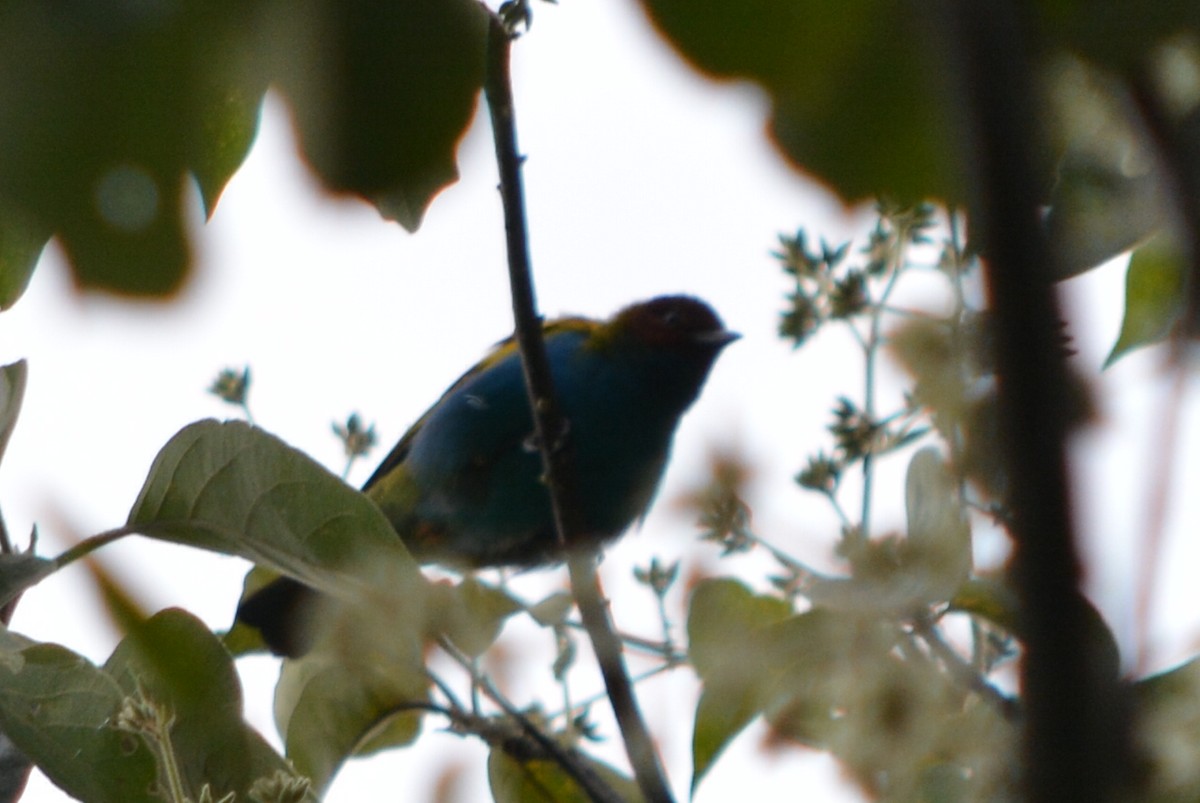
[478, 471]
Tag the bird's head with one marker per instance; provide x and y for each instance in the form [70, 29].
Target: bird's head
[680, 324]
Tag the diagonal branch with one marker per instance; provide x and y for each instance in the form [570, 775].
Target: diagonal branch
[551, 433]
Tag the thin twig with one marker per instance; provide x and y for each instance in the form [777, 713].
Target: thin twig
[587, 702]
[870, 353]
[657, 648]
[550, 432]
[514, 734]
[963, 672]
[92, 543]
[446, 691]
[569, 759]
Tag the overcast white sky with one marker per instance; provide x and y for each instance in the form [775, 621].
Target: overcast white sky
[642, 179]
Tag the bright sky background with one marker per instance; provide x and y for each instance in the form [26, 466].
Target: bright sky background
[642, 179]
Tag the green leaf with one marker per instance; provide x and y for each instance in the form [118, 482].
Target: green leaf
[805, 679]
[726, 626]
[544, 781]
[58, 709]
[232, 488]
[19, 571]
[12, 391]
[62, 712]
[1168, 733]
[229, 127]
[1117, 34]
[846, 684]
[553, 610]
[995, 602]
[725, 708]
[989, 599]
[21, 244]
[855, 90]
[1153, 296]
[174, 661]
[803, 672]
[382, 94]
[722, 613]
[897, 576]
[1108, 194]
[107, 109]
[229, 487]
[470, 613]
[362, 690]
[936, 560]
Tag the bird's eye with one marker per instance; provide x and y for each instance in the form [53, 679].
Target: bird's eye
[671, 318]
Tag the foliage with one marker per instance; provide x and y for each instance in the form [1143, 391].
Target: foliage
[1154, 299]
[858, 664]
[110, 106]
[162, 717]
[899, 665]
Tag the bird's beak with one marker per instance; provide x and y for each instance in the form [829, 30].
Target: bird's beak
[719, 339]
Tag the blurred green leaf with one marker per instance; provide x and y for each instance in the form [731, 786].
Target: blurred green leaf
[1116, 34]
[470, 613]
[57, 708]
[1096, 215]
[817, 663]
[124, 610]
[360, 691]
[1153, 296]
[21, 244]
[994, 601]
[229, 128]
[62, 711]
[173, 660]
[382, 94]
[937, 557]
[108, 106]
[856, 87]
[990, 599]
[1108, 193]
[553, 610]
[843, 683]
[726, 625]
[232, 488]
[544, 781]
[1168, 733]
[725, 708]
[723, 613]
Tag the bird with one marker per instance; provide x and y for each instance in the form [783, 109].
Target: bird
[464, 487]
